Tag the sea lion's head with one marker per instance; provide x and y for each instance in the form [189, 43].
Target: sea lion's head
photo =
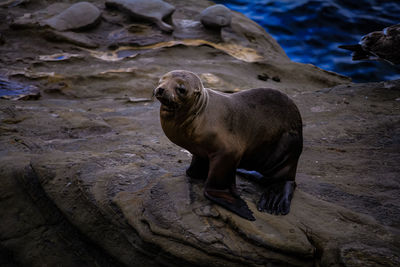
[178, 91]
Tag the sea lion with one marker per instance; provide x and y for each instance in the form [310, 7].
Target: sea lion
[257, 132]
[382, 45]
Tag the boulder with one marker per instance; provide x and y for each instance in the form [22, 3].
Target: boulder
[78, 16]
[216, 16]
[151, 10]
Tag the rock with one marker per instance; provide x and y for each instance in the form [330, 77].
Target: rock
[13, 90]
[357, 254]
[137, 99]
[34, 20]
[78, 16]
[37, 238]
[13, 3]
[276, 79]
[79, 39]
[216, 16]
[136, 35]
[26, 21]
[263, 77]
[89, 178]
[152, 10]
[2, 39]
[194, 29]
[117, 187]
[59, 57]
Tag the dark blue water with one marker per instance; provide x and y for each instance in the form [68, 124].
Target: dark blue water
[311, 31]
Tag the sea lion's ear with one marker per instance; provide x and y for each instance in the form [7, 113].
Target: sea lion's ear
[195, 83]
[199, 86]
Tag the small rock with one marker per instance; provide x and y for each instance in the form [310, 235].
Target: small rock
[276, 79]
[263, 77]
[216, 16]
[78, 16]
[150, 10]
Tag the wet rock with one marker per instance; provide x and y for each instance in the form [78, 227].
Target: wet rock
[13, 90]
[216, 16]
[59, 57]
[78, 16]
[151, 10]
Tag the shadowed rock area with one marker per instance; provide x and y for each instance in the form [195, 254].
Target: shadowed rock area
[88, 178]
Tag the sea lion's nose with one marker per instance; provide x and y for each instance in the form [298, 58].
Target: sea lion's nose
[159, 91]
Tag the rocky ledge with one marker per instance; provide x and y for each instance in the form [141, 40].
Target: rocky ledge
[88, 177]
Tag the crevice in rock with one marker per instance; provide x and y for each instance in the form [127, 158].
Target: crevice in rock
[318, 249]
[234, 259]
[75, 242]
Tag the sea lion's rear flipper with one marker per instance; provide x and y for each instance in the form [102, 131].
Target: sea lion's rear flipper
[277, 198]
[251, 175]
[229, 202]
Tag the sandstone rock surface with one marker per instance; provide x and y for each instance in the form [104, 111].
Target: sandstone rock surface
[89, 179]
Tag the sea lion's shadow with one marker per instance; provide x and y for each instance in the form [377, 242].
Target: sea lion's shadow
[249, 185]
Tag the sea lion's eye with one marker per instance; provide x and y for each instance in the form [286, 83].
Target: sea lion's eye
[181, 89]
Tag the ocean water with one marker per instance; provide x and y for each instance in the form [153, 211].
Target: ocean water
[310, 31]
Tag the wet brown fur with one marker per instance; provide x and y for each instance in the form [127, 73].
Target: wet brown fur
[257, 129]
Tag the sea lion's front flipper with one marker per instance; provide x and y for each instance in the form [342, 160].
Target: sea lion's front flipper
[277, 198]
[221, 186]
[198, 168]
[229, 202]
